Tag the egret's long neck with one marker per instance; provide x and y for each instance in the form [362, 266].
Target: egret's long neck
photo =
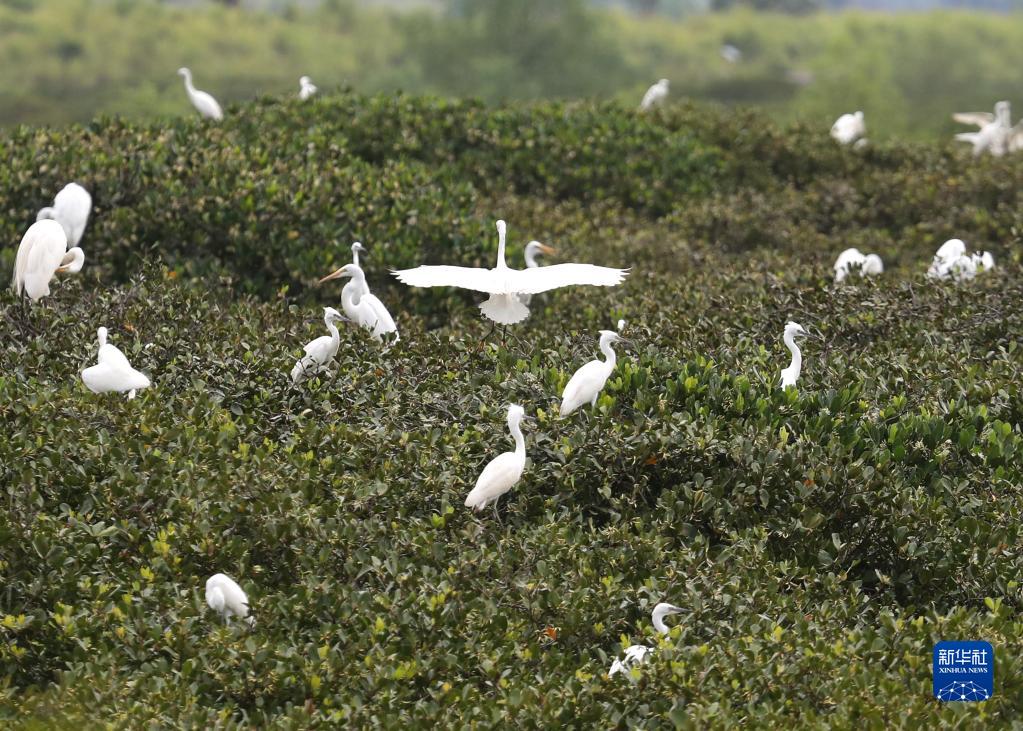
[335, 336]
[609, 354]
[659, 624]
[73, 260]
[531, 262]
[516, 432]
[500, 249]
[102, 337]
[188, 83]
[797, 355]
[355, 256]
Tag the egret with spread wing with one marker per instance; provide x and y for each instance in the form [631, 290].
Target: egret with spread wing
[43, 253]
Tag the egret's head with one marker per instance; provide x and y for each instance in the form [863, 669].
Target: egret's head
[621, 325]
[304, 80]
[356, 247]
[859, 116]
[515, 413]
[348, 270]
[1002, 107]
[533, 248]
[101, 335]
[664, 83]
[183, 71]
[664, 609]
[794, 329]
[502, 228]
[332, 315]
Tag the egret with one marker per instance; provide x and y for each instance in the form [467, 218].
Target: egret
[112, 372]
[951, 261]
[851, 260]
[995, 129]
[319, 352]
[204, 103]
[534, 249]
[306, 88]
[730, 53]
[637, 654]
[363, 308]
[71, 207]
[655, 95]
[224, 596]
[849, 128]
[587, 382]
[43, 253]
[504, 285]
[504, 470]
[790, 375]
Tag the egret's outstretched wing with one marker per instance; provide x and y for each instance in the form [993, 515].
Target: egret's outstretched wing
[976, 118]
[480, 280]
[542, 279]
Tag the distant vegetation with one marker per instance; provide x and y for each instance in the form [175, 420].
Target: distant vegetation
[69, 60]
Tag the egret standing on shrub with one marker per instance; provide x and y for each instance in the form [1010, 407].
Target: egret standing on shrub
[43, 253]
[851, 260]
[319, 352]
[790, 375]
[504, 470]
[587, 382]
[951, 261]
[112, 372]
[655, 95]
[224, 596]
[505, 285]
[637, 654]
[534, 249]
[363, 308]
[849, 128]
[71, 208]
[204, 103]
[306, 88]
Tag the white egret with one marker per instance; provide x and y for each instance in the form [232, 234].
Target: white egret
[504, 470]
[203, 102]
[730, 53]
[224, 596]
[638, 654]
[587, 382]
[534, 249]
[995, 129]
[790, 375]
[71, 208]
[319, 352]
[306, 88]
[952, 262]
[362, 307]
[655, 95]
[851, 260]
[43, 252]
[849, 128]
[504, 285]
[112, 372]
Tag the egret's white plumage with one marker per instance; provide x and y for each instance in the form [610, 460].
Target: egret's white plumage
[851, 260]
[952, 262]
[224, 596]
[362, 307]
[586, 383]
[112, 372]
[504, 285]
[995, 131]
[71, 208]
[849, 128]
[790, 375]
[306, 88]
[638, 654]
[319, 352]
[655, 95]
[504, 470]
[533, 250]
[203, 102]
[43, 252]
[730, 53]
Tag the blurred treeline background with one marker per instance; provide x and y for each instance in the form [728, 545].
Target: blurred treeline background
[70, 60]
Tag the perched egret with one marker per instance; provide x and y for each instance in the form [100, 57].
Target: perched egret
[204, 103]
[637, 654]
[851, 260]
[952, 262]
[849, 128]
[363, 308]
[504, 285]
[587, 382]
[655, 95]
[534, 249]
[504, 470]
[43, 252]
[224, 596]
[790, 375]
[112, 372]
[730, 53]
[306, 88]
[995, 129]
[71, 207]
[319, 352]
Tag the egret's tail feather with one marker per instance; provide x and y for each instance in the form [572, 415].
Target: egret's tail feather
[298, 373]
[506, 309]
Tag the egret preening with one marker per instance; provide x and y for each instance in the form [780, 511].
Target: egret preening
[655, 95]
[952, 262]
[849, 128]
[224, 596]
[363, 308]
[637, 654]
[43, 252]
[995, 129]
[533, 250]
[790, 375]
[204, 103]
[319, 352]
[504, 285]
[587, 382]
[504, 470]
[71, 208]
[112, 372]
[851, 260]
[306, 88]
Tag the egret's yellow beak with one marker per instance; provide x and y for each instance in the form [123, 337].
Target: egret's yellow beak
[548, 249]
[334, 275]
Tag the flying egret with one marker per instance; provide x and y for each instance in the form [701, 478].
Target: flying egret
[319, 352]
[951, 261]
[204, 103]
[587, 382]
[790, 375]
[504, 285]
[71, 207]
[306, 88]
[995, 129]
[638, 654]
[534, 249]
[43, 253]
[504, 470]
[851, 260]
[112, 372]
[655, 95]
[849, 128]
[363, 308]
[224, 596]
